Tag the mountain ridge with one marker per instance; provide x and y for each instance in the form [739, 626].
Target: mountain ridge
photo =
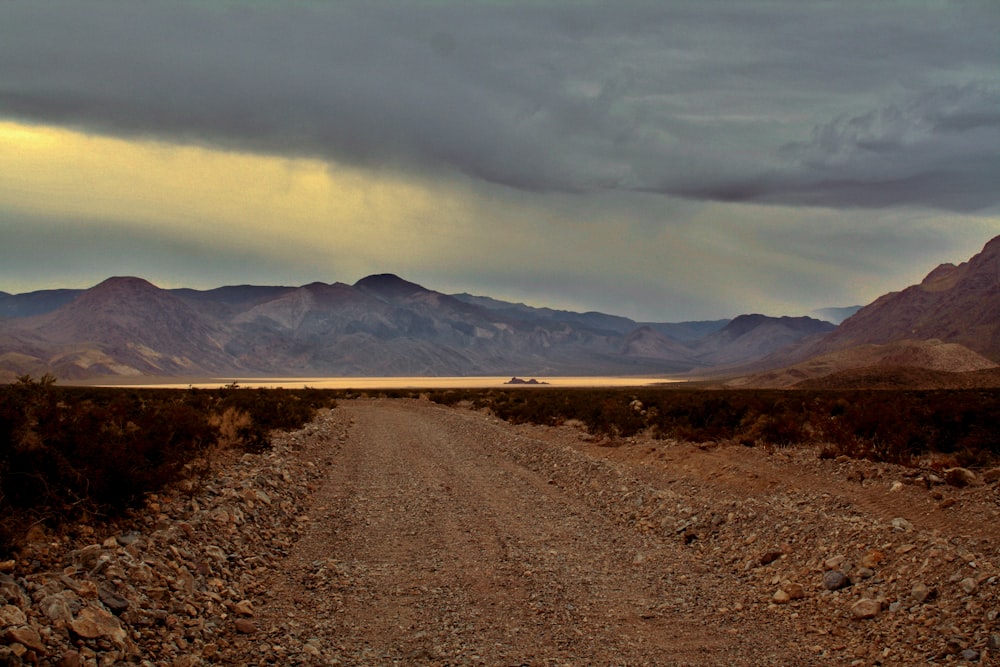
[380, 325]
[956, 304]
[386, 325]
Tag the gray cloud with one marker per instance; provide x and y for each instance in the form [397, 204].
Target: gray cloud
[875, 104]
[941, 147]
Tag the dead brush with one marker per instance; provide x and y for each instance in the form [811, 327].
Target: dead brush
[232, 424]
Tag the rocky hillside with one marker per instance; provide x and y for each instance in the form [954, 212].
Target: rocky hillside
[948, 326]
[954, 304]
[903, 364]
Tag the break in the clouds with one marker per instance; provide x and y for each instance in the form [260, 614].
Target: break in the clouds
[720, 156]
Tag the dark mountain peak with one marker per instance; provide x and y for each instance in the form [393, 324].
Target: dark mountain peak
[125, 284]
[120, 299]
[992, 248]
[744, 324]
[389, 286]
[331, 293]
[123, 293]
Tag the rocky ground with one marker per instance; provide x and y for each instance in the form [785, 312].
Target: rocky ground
[401, 532]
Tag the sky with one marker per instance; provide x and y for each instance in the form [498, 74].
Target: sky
[665, 160]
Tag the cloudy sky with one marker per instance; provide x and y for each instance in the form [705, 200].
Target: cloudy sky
[661, 159]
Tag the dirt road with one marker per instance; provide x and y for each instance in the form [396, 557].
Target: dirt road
[430, 543]
[400, 532]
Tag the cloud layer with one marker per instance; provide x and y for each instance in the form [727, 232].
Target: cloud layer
[784, 102]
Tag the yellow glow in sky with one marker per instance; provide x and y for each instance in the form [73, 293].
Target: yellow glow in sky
[289, 205]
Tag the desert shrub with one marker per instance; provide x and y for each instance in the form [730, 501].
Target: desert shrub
[881, 425]
[68, 452]
[98, 458]
[231, 424]
[613, 416]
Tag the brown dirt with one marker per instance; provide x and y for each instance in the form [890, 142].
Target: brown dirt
[445, 536]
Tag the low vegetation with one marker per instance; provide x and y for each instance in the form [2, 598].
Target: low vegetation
[91, 454]
[954, 427]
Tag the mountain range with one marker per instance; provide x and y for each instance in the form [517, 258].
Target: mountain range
[384, 325]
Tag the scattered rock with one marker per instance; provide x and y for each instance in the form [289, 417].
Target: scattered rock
[866, 608]
[27, 636]
[901, 524]
[11, 615]
[769, 557]
[834, 580]
[793, 590]
[111, 599]
[872, 559]
[245, 626]
[183, 586]
[921, 593]
[969, 585]
[70, 659]
[94, 623]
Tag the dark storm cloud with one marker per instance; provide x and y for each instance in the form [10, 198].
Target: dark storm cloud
[831, 104]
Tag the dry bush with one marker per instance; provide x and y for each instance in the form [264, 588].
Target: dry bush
[231, 424]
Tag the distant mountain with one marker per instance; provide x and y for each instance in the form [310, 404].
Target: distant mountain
[751, 337]
[684, 332]
[230, 300]
[593, 320]
[123, 326]
[687, 332]
[35, 303]
[381, 325]
[648, 343]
